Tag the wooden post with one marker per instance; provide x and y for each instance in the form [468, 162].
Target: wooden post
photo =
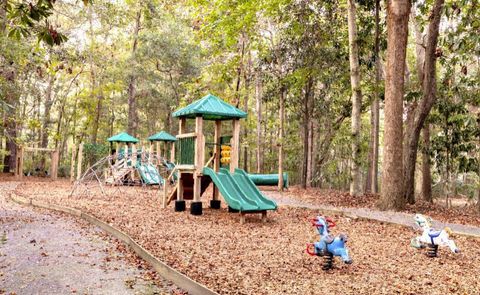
[199, 158]
[19, 168]
[54, 164]
[79, 161]
[172, 152]
[179, 187]
[134, 160]
[150, 152]
[234, 154]
[125, 156]
[134, 155]
[182, 124]
[72, 164]
[216, 159]
[158, 150]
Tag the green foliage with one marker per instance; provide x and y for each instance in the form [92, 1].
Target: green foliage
[94, 152]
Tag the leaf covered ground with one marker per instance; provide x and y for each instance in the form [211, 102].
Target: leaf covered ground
[457, 214]
[269, 258]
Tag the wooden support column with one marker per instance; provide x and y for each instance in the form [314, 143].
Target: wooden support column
[54, 164]
[150, 152]
[172, 152]
[158, 150]
[216, 159]
[182, 124]
[180, 187]
[125, 156]
[79, 161]
[19, 168]
[235, 152]
[72, 163]
[180, 203]
[196, 206]
[134, 160]
[199, 158]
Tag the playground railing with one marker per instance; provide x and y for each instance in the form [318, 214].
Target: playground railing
[185, 149]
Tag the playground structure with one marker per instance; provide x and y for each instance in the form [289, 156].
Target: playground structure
[54, 160]
[194, 174]
[328, 246]
[432, 238]
[126, 165]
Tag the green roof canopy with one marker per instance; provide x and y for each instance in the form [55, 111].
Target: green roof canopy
[210, 107]
[123, 137]
[162, 136]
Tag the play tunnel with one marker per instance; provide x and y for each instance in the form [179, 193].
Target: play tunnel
[268, 179]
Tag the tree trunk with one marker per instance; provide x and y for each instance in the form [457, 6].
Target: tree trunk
[355, 184]
[132, 103]
[258, 99]
[98, 115]
[426, 173]
[280, 138]
[306, 125]
[372, 174]
[3, 16]
[310, 153]
[429, 91]
[245, 108]
[392, 196]
[46, 119]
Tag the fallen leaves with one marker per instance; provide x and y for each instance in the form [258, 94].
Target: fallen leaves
[258, 258]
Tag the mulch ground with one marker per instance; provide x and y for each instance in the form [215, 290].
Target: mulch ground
[466, 215]
[270, 258]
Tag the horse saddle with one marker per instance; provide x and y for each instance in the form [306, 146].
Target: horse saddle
[329, 239]
[434, 234]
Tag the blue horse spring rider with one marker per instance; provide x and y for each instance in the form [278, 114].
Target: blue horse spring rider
[328, 246]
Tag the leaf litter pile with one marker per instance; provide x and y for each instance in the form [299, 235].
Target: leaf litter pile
[269, 258]
[465, 214]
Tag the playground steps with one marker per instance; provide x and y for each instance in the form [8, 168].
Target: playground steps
[117, 176]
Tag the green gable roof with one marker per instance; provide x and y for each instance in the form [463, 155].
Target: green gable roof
[123, 137]
[162, 136]
[210, 107]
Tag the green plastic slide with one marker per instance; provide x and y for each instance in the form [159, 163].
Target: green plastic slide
[239, 191]
[149, 174]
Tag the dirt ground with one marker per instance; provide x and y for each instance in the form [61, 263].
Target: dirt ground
[45, 253]
[270, 258]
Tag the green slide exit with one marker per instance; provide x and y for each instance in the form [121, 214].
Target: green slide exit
[239, 191]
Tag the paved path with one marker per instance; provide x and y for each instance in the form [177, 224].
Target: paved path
[45, 253]
[386, 216]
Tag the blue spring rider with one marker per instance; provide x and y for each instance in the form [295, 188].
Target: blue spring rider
[328, 246]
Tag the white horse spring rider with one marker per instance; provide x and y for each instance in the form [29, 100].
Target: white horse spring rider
[432, 238]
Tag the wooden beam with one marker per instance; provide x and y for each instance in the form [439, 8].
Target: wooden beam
[199, 159]
[134, 160]
[32, 149]
[179, 187]
[159, 155]
[235, 152]
[172, 152]
[79, 161]
[182, 125]
[125, 156]
[150, 152]
[185, 135]
[216, 159]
